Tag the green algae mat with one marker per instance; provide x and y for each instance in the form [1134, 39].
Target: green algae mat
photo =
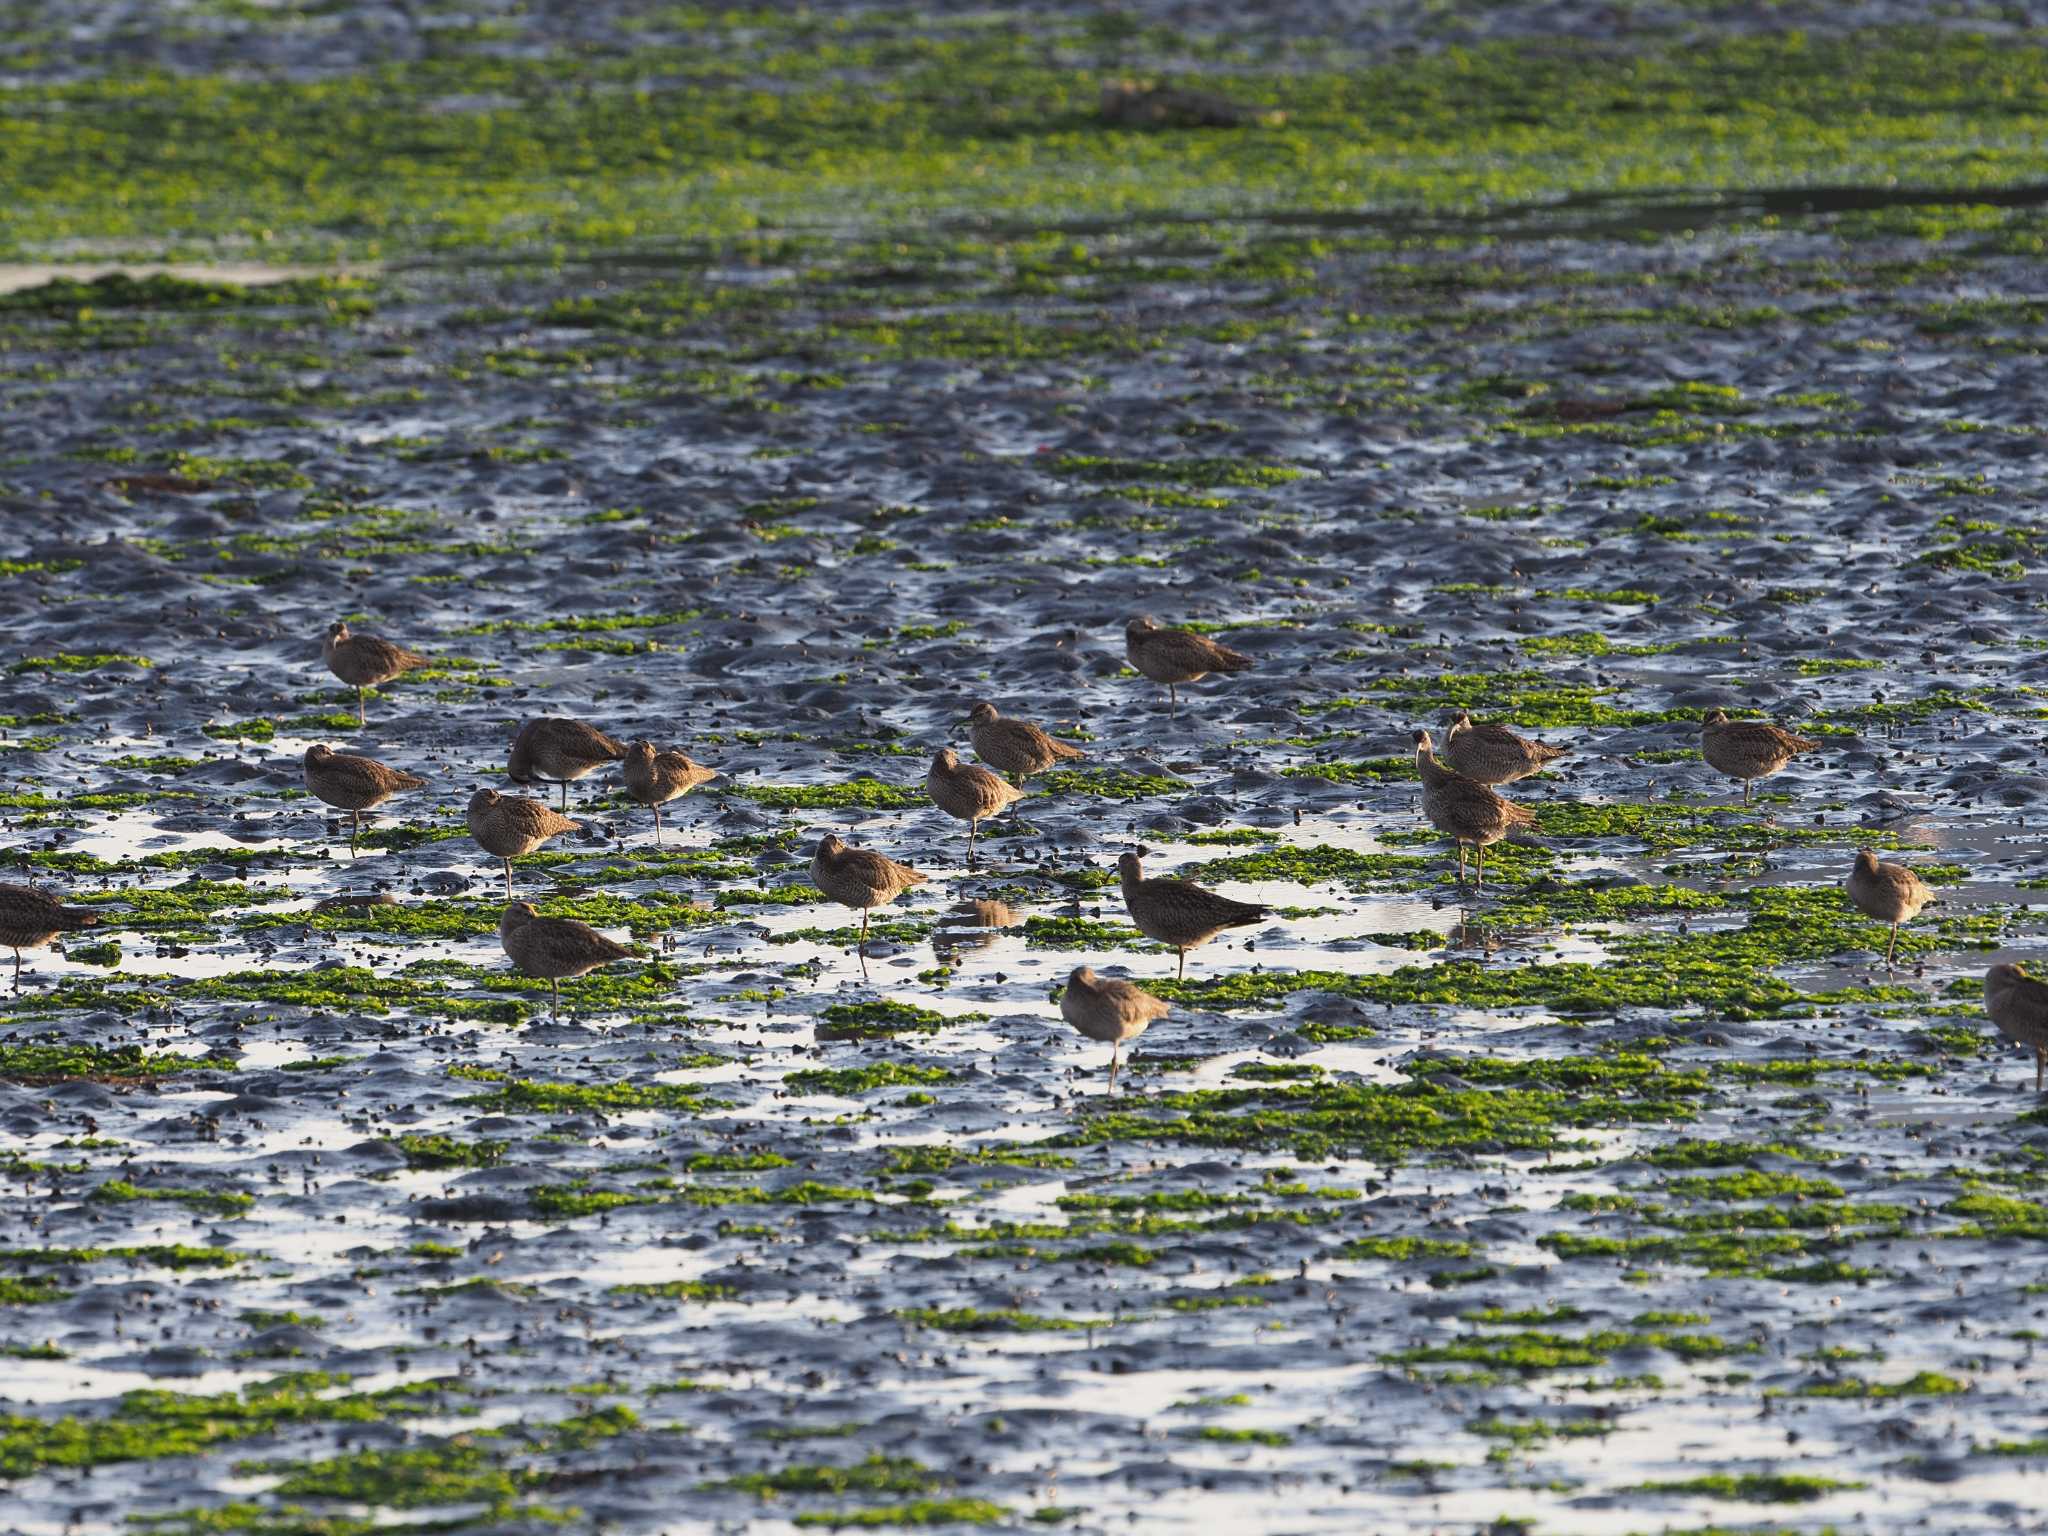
[778, 383]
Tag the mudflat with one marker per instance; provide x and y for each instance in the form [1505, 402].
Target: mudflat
[774, 387]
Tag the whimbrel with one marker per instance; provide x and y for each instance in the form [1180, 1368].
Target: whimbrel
[554, 947]
[512, 826]
[860, 878]
[364, 661]
[970, 793]
[1464, 810]
[1891, 893]
[655, 778]
[1108, 1010]
[2018, 1005]
[558, 750]
[1748, 749]
[1493, 754]
[1012, 746]
[354, 784]
[29, 920]
[1176, 656]
[1179, 912]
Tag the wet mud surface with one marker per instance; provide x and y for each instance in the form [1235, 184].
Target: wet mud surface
[1630, 1193]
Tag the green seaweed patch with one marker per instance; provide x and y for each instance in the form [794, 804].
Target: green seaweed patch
[1542, 903]
[1406, 1250]
[1754, 1487]
[160, 1255]
[1387, 1122]
[1762, 1255]
[928, 1159]
[45, 1063]
[456, 1473]
[881, 1019]
[428, 1152]
[1525, 1433]
[1323, 865]
[1690, 1153]
[530, 1096]
[1205, 474]
[1080, 933]
[916, 1512]
[675, 1290]
[1108, 783]
[1370, 770]
[1009, 1320]
[1531, 1352]
[1218, 1434]
[1753, 1185]
[216, 1202]
[860, 792]
[850, 1082]
[67, 296]
[1920, 1384]
[149, 1425]
[27, 1293]
[1523, 697]
[877, 1474]
[74, 661]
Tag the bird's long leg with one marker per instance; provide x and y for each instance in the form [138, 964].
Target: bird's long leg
[973, 827]
[508, 879]
[2040, 1055]
[657, 824]
[359, 704]
[863, 943]
[1182, 973]
[1172, 701]
[1112, 1065]
[1461, 863]
[355, 821]
[1891, 946]
[565, 795]
[1747, 786]
[555, 985]
[1480, 859]
[17, 970]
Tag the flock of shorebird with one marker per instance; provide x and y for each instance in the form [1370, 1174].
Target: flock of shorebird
[1459, 799]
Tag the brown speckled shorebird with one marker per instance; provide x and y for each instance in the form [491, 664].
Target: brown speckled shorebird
[364, 661]
[970, 793]
[1015, 747]
[354, 784]
[1891, 893]
[512, 826]
[1493, 754]
[1176, 656]
[859, 878]
[557, 749]
[1108, 1010]
[554, 947]
[1179, 912]
[1748, 749]
[655, 778]
[29, 920]
[2018, 1005]
[1463, 809]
